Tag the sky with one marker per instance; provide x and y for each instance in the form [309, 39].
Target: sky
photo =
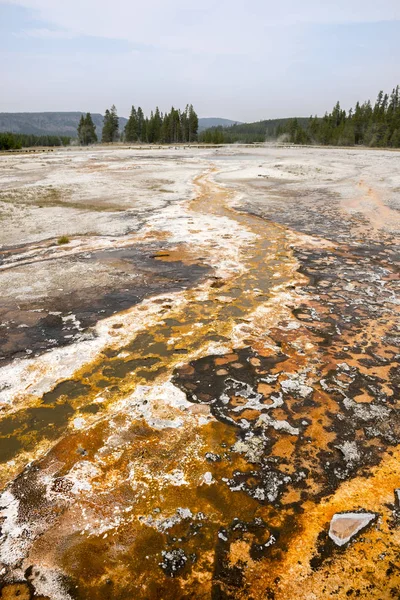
[245, 61]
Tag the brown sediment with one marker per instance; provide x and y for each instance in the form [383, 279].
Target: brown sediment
[208, 475]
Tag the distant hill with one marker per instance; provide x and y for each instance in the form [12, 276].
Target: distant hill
[265, 127]
[49, 123]
[259, 131]
[66, 123]
[207, 122]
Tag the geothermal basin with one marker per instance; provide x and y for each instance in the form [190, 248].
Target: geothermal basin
[199, 388]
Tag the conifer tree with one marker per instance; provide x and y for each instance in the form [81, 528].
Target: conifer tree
[150, 132]
[87, 130]
[131, 128]
[107, 128]
[165, 129]
[185, 124]
[110, 125]
[115, 123]
[144, 130]
[80, 129]
[157, 123]
[140, 123]
[193, 124]
[91, 135]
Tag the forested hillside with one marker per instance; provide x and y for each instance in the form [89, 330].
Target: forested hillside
[207, 122]
[375, 125]
[259, 131]
[49, 123]
[16, 141]
[66, 123]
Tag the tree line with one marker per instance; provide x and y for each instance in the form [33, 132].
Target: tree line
[16, 141]
[172, 127]
[375, 125]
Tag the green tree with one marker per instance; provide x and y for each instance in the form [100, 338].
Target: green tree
[107, 128]
[87, 130]
[395, 139]
[185, 124]
[165, 129]
[110, 126]
[157, 124]
[91, 128]
[193, 124]
[131, 128]
[81, 128]
[140, 124]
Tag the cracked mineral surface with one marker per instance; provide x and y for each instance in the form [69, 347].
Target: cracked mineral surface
[199, 393]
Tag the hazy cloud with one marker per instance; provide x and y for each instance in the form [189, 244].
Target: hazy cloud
[249, 60]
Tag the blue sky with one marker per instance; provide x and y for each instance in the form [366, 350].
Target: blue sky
[245, 61]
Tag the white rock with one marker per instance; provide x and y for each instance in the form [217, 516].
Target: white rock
[344, 526]
[207, 478]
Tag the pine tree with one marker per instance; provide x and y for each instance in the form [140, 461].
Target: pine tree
[150, 128]
[165, 129]
[114, 123]
[185, 124]
[157, 125]
[91, 136]
[395, 139]
[81, 127]
[174, 126]
[107, 134]
[87, 130]
[144, 130]
[193, 124]
[131, 128]
[140, 124]
[110, 126]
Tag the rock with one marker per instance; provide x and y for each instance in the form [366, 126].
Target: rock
[211, 457]
[350, 452]
[252, 447]
[207, 478]
[294, 386]
[344, 526]
[224, 299]
[173, 561]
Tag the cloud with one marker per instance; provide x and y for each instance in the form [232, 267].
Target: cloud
[250, 60]
[48, 34]
[194, 24]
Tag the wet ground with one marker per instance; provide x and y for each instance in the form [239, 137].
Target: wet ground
[205, 403]
[133, 273]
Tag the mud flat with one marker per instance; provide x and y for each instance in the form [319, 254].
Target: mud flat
[199, 392]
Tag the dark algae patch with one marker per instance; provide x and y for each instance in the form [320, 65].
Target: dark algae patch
[48, 420]
[33, 327]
